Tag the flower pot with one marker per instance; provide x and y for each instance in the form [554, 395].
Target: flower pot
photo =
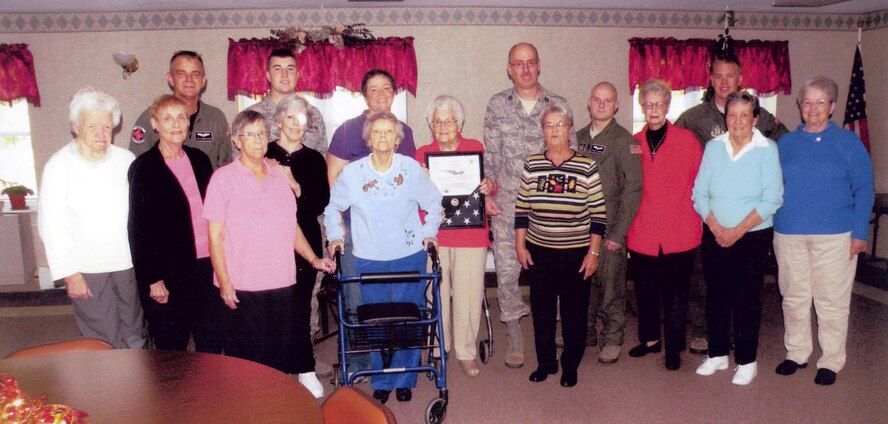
[17, 201]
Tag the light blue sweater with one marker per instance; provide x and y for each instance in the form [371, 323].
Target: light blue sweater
[731, 188]
[385, 207]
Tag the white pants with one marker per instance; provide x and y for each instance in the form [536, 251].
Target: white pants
[462, 277]
[815, 268]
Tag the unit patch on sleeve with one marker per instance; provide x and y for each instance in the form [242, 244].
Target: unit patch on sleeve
[138, 135]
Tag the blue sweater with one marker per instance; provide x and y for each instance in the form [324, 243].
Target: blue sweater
[829, 183]
[731, 188]
[385, 221]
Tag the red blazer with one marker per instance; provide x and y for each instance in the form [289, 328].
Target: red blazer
[666, 218]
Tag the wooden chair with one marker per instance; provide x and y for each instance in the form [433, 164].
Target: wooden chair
[348, 405]
[57, 347]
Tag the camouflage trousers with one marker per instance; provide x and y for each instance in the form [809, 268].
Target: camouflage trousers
[508, 294]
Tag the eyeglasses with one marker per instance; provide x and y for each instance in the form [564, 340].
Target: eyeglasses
[254, 135]
[820, 103]
[558, 125]
[518, 64]
[651, 106]
[448, 123]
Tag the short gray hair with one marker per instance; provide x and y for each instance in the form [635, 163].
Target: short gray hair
[92, 99]
[294, 101]
[245, 118]
[445, 102]
[821, 83]
[561, 110]
[399, 127]
[655, 86]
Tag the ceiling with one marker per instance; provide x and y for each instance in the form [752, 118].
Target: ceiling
[68, 6]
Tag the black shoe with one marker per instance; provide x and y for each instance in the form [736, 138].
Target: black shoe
[825, 377]
[381, 395]
[644, 349]
[673, 361]
[404, 395]
[540, 375]
[789, 367]
[568, 378]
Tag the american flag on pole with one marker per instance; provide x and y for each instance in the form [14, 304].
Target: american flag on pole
[855, 109]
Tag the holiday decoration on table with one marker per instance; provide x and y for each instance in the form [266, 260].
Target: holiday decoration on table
[17, 407]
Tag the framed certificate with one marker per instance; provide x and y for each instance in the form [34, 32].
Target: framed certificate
[458, 177]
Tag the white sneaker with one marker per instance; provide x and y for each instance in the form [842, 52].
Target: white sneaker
[744, 374]
[711, 365]
[311, 382]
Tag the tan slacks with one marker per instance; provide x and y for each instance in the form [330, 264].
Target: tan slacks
[462, 288]
[815, 269]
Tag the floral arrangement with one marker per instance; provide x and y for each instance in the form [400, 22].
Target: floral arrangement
[17, 407]
[338, 35]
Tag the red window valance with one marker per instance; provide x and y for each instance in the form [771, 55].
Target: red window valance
[322, 66]
[685, 63]
[17, 79]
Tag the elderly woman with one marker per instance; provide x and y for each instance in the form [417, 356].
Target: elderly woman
[383, 191]
[463, 252]
[82, 218]
[666, 231]
[821, 228]
[292, 117]
[168, 236]
[253, 231]
[737, 191]
[559, 221]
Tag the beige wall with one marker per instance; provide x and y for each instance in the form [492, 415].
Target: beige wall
[466, 61]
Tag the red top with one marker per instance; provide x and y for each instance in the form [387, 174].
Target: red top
[666, 218]
[464, 237]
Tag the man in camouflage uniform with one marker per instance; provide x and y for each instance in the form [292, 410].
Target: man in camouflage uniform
[512, 132]
[281, 72]
[618, 157]
[707, 121]
[208, 128]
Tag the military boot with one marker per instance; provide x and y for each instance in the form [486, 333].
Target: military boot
[515, 354]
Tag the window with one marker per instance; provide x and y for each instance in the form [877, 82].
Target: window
[682, 101]
[340, 107]
[16, 152]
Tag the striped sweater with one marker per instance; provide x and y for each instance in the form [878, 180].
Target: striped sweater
[560, 206]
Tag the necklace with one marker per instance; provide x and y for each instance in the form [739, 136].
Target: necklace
[654, 145]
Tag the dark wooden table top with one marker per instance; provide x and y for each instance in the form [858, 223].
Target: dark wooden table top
[148, 386]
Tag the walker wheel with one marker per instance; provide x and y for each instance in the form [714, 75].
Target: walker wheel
[482, 351]
[436, 411]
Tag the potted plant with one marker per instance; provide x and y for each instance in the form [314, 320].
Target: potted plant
[16, 193]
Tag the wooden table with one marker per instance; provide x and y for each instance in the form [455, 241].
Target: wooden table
[148, 386]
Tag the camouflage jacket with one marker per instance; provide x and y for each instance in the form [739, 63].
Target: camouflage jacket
[316, 135]
[510, 136]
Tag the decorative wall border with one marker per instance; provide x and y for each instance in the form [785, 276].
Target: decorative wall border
[427, 16]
